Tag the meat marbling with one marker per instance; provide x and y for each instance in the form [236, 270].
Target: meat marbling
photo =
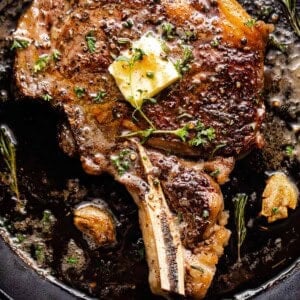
[181, 207]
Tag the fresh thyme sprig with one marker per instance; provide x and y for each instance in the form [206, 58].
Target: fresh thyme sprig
[181, 133]
[202, 135]
[183, 65]
[291, 6]
[240, 201]
[8, 152]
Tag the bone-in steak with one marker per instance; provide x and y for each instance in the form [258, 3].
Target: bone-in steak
[218, 49]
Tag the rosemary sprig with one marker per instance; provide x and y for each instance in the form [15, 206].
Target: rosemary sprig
[291, 7]
[8, 152]
[240, 201]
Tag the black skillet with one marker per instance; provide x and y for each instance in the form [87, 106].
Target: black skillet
[19, 281]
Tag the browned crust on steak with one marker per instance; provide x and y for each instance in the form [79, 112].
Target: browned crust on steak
[191, 194]
[222, 88]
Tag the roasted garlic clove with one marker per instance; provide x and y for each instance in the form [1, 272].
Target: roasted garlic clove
[97, 224]
[280, 194]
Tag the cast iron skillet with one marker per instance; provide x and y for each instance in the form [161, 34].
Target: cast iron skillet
[18, 281]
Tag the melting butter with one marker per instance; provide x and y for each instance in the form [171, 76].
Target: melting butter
[143, 71]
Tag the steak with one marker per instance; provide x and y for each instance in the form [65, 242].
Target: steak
[218, 51]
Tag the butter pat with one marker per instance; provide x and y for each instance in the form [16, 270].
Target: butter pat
[143, 71]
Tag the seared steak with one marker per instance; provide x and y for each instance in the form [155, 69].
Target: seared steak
[218, 50]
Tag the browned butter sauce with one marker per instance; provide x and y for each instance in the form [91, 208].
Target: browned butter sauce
[54, 185]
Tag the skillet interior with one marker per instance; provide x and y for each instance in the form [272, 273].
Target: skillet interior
[50, 180]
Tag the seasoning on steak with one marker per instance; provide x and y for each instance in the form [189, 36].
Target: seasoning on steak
[218, 49]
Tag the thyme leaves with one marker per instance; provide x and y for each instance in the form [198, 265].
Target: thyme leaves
[98, 98]
[19, 44]
[250, 23]
[195, 134]
[183, 65]
[91, 42]
[122, 161]
[41, 63]
[79, 91]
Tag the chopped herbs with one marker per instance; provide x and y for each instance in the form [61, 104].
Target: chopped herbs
[215, 173]
[150, 75]
[128, 24]
[72, 260]
[8, 152]
[91, 42]
[138, 55]
[47, 221]
[189, 36]
[240, 201]
[122, 161]
[56, 55]
[250, 23]
[99, 97]
[182, 65]
[39, 253]
[41, 63]
[46, 216]
[20, 237]
[291, 6]
[19, 44]
[79, 91]
[203, 136]
[273, 42]
[266, 11]
[47, 97]
[289, 150]
[215, 43]
[167, 30]
[275, 210]
[124, 41]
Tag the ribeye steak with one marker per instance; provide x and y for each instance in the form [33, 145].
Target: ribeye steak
[161, 150]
